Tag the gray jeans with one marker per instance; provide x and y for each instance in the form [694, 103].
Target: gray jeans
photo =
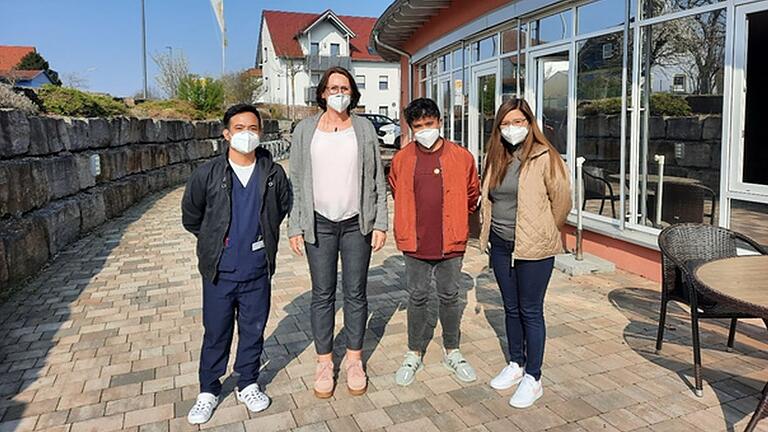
[334, 239]
[418, 280]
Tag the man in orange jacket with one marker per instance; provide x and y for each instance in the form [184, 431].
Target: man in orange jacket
[436, 187]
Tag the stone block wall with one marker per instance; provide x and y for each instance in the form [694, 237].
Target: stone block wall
[698, 139]
[49, 195]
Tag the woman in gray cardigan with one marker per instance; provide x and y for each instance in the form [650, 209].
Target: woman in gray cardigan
[340, 209]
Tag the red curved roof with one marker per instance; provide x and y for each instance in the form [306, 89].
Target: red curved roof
[284, 27]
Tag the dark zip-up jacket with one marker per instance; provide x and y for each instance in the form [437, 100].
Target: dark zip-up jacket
[206, 209]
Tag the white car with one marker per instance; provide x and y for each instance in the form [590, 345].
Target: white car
[388, 129]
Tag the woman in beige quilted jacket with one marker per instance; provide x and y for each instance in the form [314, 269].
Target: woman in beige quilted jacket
[526, 198]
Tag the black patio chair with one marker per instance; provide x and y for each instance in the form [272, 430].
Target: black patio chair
[596, 187]
[683, 248]
[684, 203]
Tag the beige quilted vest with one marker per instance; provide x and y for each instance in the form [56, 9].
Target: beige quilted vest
[542, 207]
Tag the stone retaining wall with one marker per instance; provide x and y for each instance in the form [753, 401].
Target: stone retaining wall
[52, 193]
[697, 139]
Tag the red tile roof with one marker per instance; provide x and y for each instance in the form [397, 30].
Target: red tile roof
[11, 55]
[284, 27]
[20, 75]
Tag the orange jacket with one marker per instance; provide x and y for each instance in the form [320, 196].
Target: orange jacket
[461, 190]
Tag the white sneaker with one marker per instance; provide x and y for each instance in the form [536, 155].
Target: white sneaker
[528, 392]
[203, 408]
[509, 376]
[253, 398]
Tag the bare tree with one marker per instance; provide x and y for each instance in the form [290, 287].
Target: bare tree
[241, 87]
[171, 70]
[695, 44]
[74, 80]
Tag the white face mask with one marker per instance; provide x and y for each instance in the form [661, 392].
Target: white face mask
[514, 134]
[339, 102]
[427, 137]
[244, 142]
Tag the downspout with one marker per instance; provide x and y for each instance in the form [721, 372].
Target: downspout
[409, 95]
[402, 53]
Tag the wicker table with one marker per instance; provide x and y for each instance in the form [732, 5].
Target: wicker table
[742, 282]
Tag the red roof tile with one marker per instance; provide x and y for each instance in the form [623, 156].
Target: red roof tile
[11, 55]
[20, 75]
[284, 27]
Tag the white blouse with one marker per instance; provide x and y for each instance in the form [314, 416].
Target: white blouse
[335, 174]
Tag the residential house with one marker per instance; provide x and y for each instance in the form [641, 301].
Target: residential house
[296, 48]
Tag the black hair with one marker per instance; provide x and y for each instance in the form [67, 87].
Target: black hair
[421, 108]
[355, 96]
[239, 109]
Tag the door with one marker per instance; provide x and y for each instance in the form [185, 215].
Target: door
[483, 97]
[749, 134]
[552, 90]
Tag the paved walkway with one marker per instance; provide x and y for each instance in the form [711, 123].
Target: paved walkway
[108, 337]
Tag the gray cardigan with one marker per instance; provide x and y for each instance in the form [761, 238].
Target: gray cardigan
[373, 189]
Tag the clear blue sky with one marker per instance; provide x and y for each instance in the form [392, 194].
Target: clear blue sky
[100, 40]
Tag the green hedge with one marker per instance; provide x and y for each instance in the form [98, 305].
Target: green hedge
[662, 104]
[76, 103]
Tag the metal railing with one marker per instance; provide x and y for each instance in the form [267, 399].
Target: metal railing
[280, 149]
[321, 62]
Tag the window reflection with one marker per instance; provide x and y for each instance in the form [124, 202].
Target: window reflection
[552, 28]
[598, 122]
[681, 101]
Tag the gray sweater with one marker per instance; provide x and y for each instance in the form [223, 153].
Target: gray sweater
[373, 189]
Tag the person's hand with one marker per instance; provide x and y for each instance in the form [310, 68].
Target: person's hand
[297, 243]
[378, 239]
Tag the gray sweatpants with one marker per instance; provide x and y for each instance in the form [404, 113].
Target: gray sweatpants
[418, 281]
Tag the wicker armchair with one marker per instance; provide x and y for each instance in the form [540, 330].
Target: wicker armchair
[683, 247]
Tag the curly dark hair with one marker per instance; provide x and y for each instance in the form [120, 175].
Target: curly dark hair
[421, 108]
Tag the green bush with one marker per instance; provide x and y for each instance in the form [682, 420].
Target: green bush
[662, 104]
[11, 99]
[601, 106]
[76, 103]
[205, 94]
[171, 109]
[665, 104]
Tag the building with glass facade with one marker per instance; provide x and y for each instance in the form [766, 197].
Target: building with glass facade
[661, 97]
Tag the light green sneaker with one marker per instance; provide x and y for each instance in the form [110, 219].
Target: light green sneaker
[456, 362]
[407, 372]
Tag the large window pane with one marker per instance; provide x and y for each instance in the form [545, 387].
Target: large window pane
[750, 218]
[485, 49]
[509, 40]
[552, 28]
[552, 89]
[445, 106]
[755, 133]
[682, 102]
[598, 122]
[509, 78]
[457, 62]
[599, 15]
[654, 8]
[458, 103]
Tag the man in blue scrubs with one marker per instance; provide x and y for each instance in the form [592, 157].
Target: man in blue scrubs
[234, 205]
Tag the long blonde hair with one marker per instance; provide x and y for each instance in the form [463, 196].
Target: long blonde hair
[498, 157]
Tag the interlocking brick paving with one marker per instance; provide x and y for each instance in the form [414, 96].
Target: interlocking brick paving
[108, 338]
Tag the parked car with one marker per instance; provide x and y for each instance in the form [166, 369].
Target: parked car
[387, 129]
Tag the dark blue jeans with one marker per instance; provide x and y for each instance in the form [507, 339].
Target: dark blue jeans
[223, 302]
[522, 289]
[338, 239]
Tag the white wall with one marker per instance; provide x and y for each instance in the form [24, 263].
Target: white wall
[371, 97]
[325, 33]
[273, 70]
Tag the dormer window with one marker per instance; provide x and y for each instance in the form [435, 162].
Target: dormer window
[314, 48]
[335, 50]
